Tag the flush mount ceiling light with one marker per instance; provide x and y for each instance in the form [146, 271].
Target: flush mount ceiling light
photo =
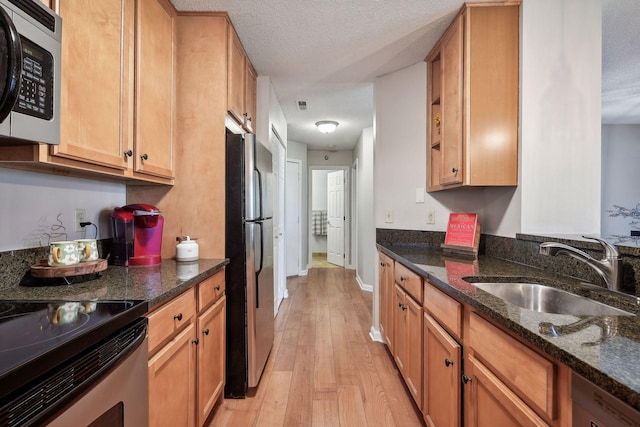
[327, 126]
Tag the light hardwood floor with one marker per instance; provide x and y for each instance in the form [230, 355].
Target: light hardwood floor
[324, 370]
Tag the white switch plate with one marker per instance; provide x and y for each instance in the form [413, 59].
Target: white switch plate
[419, 195]
[431, 216]
[388, 215]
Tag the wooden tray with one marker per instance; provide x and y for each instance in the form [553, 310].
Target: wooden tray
[42, 269]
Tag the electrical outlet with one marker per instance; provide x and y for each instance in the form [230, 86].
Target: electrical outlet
[79, 215]
[431, 216]
[388, 215]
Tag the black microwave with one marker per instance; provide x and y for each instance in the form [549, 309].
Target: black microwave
[30, 36]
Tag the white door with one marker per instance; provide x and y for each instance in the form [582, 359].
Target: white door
[279, 166]
[335, 217]
[292, 218]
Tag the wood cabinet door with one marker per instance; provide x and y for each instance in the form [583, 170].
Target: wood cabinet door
[154, 103]
[250, 95]
[236, 71]
[211, 358]
[172, 384]
[95, 81]
[385, 297]
[399, 328]
[442, 369]
[489, 402]
[414, 348]
[452, 105]
[389, 336]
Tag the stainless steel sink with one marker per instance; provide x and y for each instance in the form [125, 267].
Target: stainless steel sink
[545, 299]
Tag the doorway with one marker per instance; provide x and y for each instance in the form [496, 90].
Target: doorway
[329, 217]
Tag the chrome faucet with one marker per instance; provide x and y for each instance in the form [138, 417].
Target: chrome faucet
[609, 267]
[608, 324]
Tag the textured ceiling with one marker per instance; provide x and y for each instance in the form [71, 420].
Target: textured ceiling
[328, 53]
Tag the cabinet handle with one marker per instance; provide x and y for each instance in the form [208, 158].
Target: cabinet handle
[402, 278]
[448, 362]
[404, 307]
[217, 288]
[466, 379]
[178, 317]
[195, 341]
[144, 156]
[206, 331]
[455, 171]
[128, 153]
[246, 116]
[382, 264]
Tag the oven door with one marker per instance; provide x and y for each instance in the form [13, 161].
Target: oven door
[10, 65]
[118, 399]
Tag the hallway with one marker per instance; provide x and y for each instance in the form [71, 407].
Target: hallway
[326, 370]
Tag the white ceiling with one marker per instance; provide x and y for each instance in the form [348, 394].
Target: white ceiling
[329, 52]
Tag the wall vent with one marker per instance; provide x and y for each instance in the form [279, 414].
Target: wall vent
[302, 105]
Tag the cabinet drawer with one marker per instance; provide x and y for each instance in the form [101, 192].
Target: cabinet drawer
[170, 318]
[444, 308]
[526, 373]
[210, 289]
[409, 281]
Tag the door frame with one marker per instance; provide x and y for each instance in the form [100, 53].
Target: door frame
[347, 212]
[296, 202]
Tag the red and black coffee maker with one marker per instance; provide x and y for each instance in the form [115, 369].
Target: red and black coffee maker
[137, 235]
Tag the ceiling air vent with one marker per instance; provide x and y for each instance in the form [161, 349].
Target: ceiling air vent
[302, 105]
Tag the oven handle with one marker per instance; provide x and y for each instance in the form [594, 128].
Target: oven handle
[13, 79]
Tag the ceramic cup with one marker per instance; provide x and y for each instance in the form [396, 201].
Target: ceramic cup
[87, 249]
[62, 254]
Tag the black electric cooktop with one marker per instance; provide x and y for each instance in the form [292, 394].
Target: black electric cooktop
[37, 336]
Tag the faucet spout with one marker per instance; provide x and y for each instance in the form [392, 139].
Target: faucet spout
[609, 267]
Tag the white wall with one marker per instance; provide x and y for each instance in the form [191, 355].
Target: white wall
[319, 200]
[334, 158]
[32, 201]
[620, 175]
[560, 115]
[366, 265]
[298, 151]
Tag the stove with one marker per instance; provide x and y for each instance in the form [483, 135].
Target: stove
[37, 337]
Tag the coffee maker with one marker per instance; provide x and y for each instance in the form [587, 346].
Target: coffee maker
[137, 235]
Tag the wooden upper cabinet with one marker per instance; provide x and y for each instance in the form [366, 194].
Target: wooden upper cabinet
[154, 82]
[94, 82]
[236, 69]
[251, 88]
[241, 83]
[472, 99]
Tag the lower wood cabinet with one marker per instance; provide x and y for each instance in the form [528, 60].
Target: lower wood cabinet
[187, 355]
[442, 370]
[408, 344]
[500, 381]
[172, 372]
[211, 358]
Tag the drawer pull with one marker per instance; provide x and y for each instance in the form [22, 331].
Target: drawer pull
[128, 153]
[206, 331]
[145, 156]
[382, 264]
[448, 362]
[217, 288]
[402, 278]
[466, 379]
[195, 341]
[178, 317]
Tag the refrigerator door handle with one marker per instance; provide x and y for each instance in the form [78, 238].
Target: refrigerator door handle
[260, 263]
[261, 212]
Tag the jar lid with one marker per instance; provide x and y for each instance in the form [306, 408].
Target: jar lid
[185, 238]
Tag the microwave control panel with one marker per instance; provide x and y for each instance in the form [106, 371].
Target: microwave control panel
[36, 91]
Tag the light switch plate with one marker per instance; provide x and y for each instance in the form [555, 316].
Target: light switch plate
[419, 195]
[388, 215]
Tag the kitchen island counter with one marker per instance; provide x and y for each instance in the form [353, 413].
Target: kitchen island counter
[610, 359]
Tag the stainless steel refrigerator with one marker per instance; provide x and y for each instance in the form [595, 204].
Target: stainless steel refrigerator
[249, 275]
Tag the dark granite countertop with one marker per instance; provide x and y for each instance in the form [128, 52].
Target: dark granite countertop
[154, 284]
[611, 361]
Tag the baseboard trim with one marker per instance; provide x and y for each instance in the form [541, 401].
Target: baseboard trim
[304, 272]
[363, 286]
[375, 335]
